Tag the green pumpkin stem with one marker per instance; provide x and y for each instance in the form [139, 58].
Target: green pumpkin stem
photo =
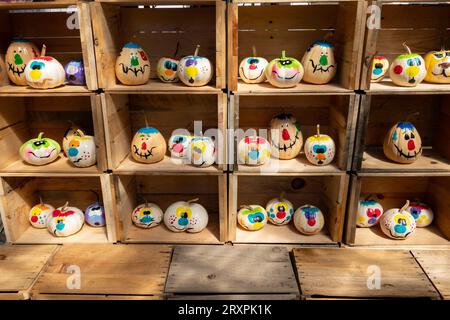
[196, 50]
[44, 50]
[254, 50]
[283, 54]
[192, 200]
[406, 47]
[246, 206]
[318, 130]
[40, 135]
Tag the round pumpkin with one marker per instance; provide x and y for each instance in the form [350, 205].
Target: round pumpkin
[71, 131]
[422, 213]
[285, 136]
[94, 215]
[398, 223]
[132, 65]
[369, 213]
[147, 215]
[39, 215]
[252, 217]
[186, 216]
[167, 68]
[402, 143]
[320, 149]
[252, 69]
[65, 221]
[44, 72]
[81, 150]
[253, 150]
[309, 219]
[437, 64]
[40, 151]
[148, 145]
[319, 63]
[18, 54]
[407, 70]
[195, 71]
[179, 145]
[280, 211]
[284, 72]
[380, 66]
[75, 73]
[202, 152]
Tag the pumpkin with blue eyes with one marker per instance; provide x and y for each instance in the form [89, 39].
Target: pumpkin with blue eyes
[195, 71]
[251, 69]
[167, 68]
[148, 145]
[408, 70]
[40, 151]
[402, 143]
[380, 66]
[309, 219]
[179, 145]
[397, 223]
[44, 72]
[437, 64]
[252, 217]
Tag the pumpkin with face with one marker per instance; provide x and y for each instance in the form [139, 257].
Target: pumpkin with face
[422, 214]
[44, 72]
[81, 150]
[186, 216]
[65, 221]
[408, 70]
[437, 64]
[40, 151]
[19, 53]
[75, 73]
[147, 215]
[284, 72]
[402, 144]
[179, 145]
[280, 211]
[398, 223]
[319, 63]
[94, 215]
[320, 149]
[71, 131]
[167, 68]
[309, 219]
[148, 145]
[253, 150]
[39, 215]
[252, 217]
[252, 69]
[132, 65]
[369, 213]
[285, 136]
[202, 151]
[195, 71]
[380, 66]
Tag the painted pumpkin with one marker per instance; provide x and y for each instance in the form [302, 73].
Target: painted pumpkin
[407, 70]
[65, 221]
[284, 72]
[202, 151]
[179, 145]
[147, 215]
[39, 215]
[252, 69]
[132, 65]
[285, 136]
[81, 150]
[422, 214]
[195, 71]
[167, 68]
[380, 66]
[148, 145]
[94, 215]
[398, 223]
[19, 53]
[44, 72]
[252, 217]
[319, 63]
[280, 211]
[320, 149]
[40, 151]
[402, 144]
[71, 131]
[75, 73]
[253, 150]
[437, 64]
[186, 216]
[369, 213]
[309, 219]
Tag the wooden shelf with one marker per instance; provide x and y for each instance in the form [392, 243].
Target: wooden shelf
[25, 90]
[37, 5]
[388, 87]
[41, 236]
[157, 86]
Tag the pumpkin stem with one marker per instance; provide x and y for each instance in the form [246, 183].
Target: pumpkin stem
[406, 47]
[192, 200]
[64, 207]
[246, 206]
[283, 54]
[282, 195]
[43, 51]
[145, 118]
[367, 198]
[176, 49]
[80, 133]
[196, 50]
[405, 206]
[408, 118]
[40, 200]
[41, 134]
[327, 36]
[318, 130]
[254, 50]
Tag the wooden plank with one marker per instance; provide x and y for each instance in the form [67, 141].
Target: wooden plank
[232, 44]
[87, 45]
[206, 264]
[236, 297]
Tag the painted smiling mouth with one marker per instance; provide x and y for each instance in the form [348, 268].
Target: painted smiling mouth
[317, 67]
[286, 78]
[407, 156]
[398, 237]
[42, 157]
[135, 71]
[443, 73]
[145, 155]
[17, 71]
[286, 147]
[169, 80]
[253, 78]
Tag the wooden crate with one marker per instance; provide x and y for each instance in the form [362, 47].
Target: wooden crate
[23, 116]
[124, 115]
[429, 31]
[132, 190]
[346, 273]
[328, 192]
[25, 20]
[272, 26]
[21, 266]
[336, 114]
[392, 190]
[19, 194]
[157, 26]
[229, 272]
[378, 113]
[106, 272]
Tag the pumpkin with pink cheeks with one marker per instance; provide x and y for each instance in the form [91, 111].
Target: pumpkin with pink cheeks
[40, 151]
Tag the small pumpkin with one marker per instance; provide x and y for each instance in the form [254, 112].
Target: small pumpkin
[284, 72]
[18, 54]
[147, 215]
[179, 145]
[408, 70]
[65, 221]
[81, 150]
[39, 215]
[320, 149]
[280, 210]
[44, 72]
[369, 213]
[40, 151]
[75, 73]
[167, 69]
[252, 69]
[380, 66]
[252, 217]
[422, 213]
[186, 216]
[319, 63]
[285, 136]
[202, 151]
[437, 64]
[72, 130]
[309, 219]
[253, 150]
[94, 215]
[132, 65]
[148, 145]
[398, 223]
[195, 71]
[402, 143]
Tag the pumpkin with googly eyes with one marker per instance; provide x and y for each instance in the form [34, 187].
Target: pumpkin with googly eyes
[65, 221]
[148, 145]
[408, 70]
[253, 150]
[280, 211]
[285, 136]
[284, 72]
[44, 72]
[437, 64]
[422, 213]
[167, 69]
[380, 66]
[252, 217]
[147, 215]
[194, 70]
[186, 216]
[179, 145]
[398, 223]
[252, 69]
[309, 219]
[319, 63]
[18, 54]
[39, 215]
[402, 143]
[132, 65]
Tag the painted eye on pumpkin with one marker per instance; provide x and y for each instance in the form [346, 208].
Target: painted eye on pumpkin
[179, 139]
[253, 60]
[412, 135]
[286, 62]
[191, 62]
[418, 62]
[37, 65]
[407, 137]
[410, 62]
[447, 53]
[438, 55]
[168, 65]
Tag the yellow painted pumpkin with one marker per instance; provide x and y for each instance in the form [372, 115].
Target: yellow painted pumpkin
[437, 64]
[319, 63]
[252, 217]
[285, 136]
[402, 143]
[148, 145]
[39, 214]
[132, 65]
[19, 53]
[407, 70]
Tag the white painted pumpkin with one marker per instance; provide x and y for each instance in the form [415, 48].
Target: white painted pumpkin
[320, 149]
[167, 68]
[44, 72]
[19, 53]
[148, 145]
[284, 72]
[437, 64]
[253, 150]
[380, 66]
[72, 130]
[39, 215]
[369, 213]
[65, 221]
[202, 151]
[195, 71]
[422, 214]
[408, 70]
[252, 217]
[81, 150]
[280, 211]
[398, 223]
[147, 215]
[186, 216]
[319, 63]
[309, 219]
[252, 69]
[40, 151]
[285, 136]
[179, 145]
[402, 143]
[132, 65]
